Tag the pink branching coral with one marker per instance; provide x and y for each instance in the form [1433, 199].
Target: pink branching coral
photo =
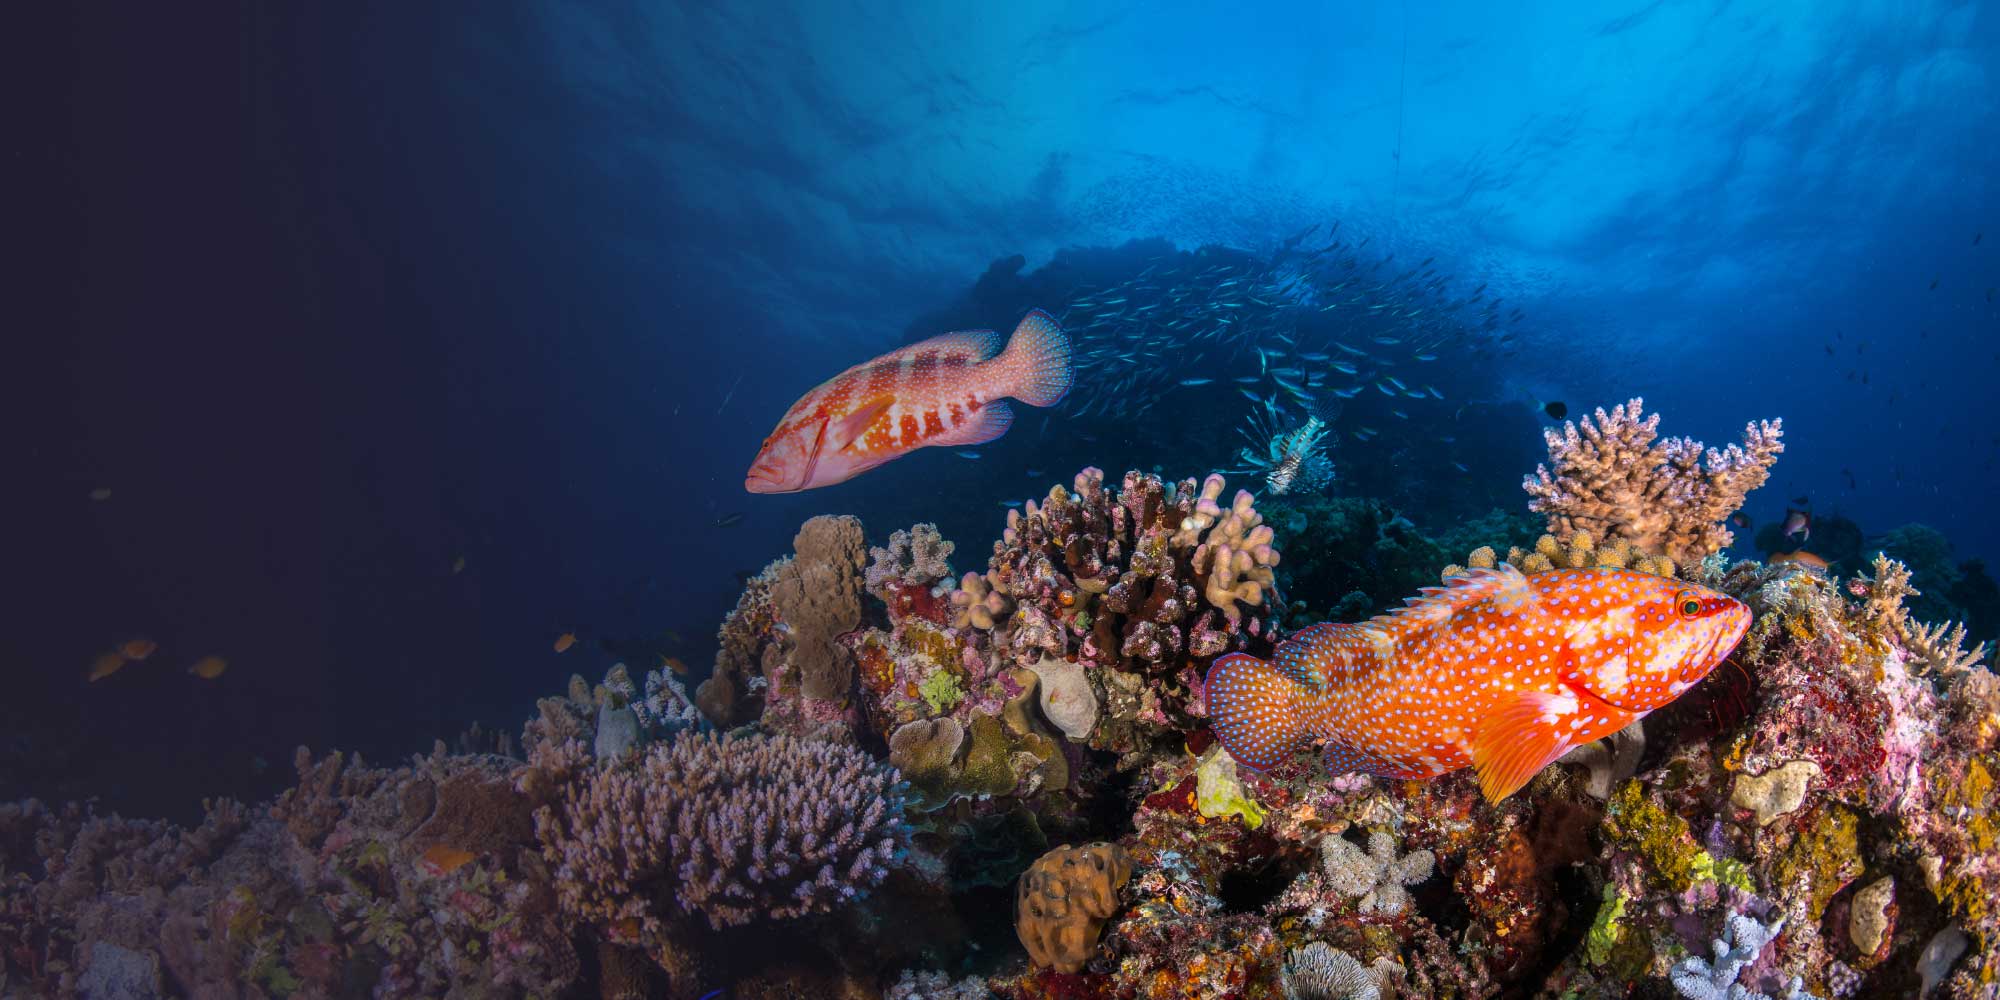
[1612, 479]
[735, 829]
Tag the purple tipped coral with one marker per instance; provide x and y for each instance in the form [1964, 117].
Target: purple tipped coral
[735, 829]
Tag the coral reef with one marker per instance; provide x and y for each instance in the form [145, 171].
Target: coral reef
[1612, 479]
[732, 829]
[1319, 972]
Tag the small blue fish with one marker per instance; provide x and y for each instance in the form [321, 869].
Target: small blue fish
[1192, 382]
[1010, 503]
[968, 454]
[1034, 473]
[1247, 380]
[1460, 466]
[1426, 357]
[1251, 396]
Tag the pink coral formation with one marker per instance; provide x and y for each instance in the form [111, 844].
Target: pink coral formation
[1611, 479]
[732, 830]
[1142, 585]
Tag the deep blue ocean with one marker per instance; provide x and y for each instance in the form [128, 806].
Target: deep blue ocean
[330, 297]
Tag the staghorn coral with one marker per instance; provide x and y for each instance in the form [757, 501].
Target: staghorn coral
[1612, 479]
[1063, 900]
[1375, 877]
[731, 829]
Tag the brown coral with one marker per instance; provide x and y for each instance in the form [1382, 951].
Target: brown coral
[1064, 899]
[818, 598]
[1581, 552]
[1612, 479]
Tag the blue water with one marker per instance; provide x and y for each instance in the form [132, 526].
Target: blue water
[340, 294]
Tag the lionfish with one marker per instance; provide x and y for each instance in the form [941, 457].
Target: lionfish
[1289, 460]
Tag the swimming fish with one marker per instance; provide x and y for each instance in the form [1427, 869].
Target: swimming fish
[1798, 522]
[1556, 410]
[443, 860]
[565, 641]
[948, 391]
[209, 668]
[105, 665]
[1498, 670]
[137, 649]
[1801, 557]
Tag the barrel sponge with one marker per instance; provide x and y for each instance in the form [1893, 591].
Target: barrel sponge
[1064, 899]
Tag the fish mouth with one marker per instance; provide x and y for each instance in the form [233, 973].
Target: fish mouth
[764, 478]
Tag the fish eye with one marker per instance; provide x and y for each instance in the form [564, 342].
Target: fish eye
[1688, 604]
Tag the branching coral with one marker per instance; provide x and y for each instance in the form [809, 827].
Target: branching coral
[1742, 940]
[733, 829]
[919, 557]
[1611, 478]
[1376, 876]
[1137, 585]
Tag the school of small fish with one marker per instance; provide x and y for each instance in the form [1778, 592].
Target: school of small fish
[1497, 670]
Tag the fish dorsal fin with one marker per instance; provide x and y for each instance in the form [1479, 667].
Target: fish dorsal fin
[1523, 735]
[1505, 586]
[844, 431]
[975, 345]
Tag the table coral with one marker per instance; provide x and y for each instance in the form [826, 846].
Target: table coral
[1611, 478]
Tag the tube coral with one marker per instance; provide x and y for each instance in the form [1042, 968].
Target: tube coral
[1611, 478]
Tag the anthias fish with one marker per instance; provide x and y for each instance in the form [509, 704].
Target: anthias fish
[948, 391]
[1498, 670]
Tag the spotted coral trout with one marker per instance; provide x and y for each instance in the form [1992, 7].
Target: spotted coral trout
[948, 391]
[1498, 670]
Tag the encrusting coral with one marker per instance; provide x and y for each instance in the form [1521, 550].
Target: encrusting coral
[1063, 901]
[1611, 479]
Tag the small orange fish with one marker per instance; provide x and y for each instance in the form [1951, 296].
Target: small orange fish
[1801, 556]
[443, 860]
[1496, 670]
[105, 665]
[138, 649]
[565, 641]
[209, 668]
[949, 392]
[674, 664]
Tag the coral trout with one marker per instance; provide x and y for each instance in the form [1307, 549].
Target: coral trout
[1497, 670]
[948, 391]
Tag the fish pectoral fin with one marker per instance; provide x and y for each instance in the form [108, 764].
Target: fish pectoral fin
[847, 430]
[1522, 736]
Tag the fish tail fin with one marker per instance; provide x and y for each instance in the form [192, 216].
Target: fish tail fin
[1036, 363]
[1250, 709]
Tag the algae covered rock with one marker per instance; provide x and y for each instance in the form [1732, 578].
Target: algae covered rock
[1063, 901]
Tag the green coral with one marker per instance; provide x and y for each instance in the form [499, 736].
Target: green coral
[1646, 828]
[941, 691]
[1605, 931]
[1218, 792]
